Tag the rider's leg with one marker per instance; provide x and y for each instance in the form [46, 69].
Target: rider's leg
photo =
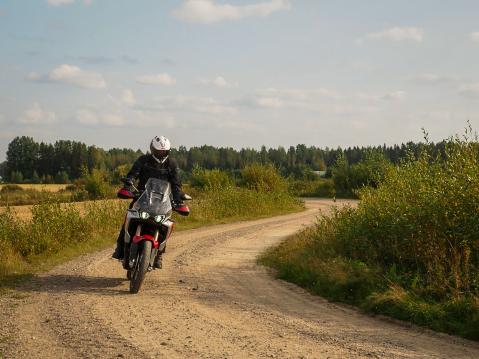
[158, 263]
[119, 252]
[120, 245]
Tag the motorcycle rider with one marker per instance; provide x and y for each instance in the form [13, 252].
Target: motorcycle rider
[156, 164]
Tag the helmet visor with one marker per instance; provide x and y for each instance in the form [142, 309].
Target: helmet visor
[161, 154]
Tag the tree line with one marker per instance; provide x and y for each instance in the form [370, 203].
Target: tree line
[64, 160]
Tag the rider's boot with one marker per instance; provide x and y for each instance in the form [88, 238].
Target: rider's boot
[158, 263]
[119, 252]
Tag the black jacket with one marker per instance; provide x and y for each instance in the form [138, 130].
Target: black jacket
[146, 167]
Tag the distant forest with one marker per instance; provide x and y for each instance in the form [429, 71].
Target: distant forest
[64, 161]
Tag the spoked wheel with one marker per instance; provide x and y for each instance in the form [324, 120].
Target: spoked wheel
[141, 267]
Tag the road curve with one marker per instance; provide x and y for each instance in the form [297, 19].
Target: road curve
[211, 300]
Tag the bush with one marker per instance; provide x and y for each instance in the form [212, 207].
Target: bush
[96, 184]
[52, 228]
[412, 244]
[300, 172]
[210, 179]
[263, 178]
[349, 179]
[317, 188]
[235, 203]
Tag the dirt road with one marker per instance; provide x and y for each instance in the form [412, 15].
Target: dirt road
[210, 301]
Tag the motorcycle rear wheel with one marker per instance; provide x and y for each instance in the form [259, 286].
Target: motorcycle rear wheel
[141, 266]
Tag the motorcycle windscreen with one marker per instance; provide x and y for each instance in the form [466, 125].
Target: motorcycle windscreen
[156, 197]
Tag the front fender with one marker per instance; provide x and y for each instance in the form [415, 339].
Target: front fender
[146, 237]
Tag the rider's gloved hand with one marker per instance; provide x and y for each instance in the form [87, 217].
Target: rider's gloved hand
[179, 204]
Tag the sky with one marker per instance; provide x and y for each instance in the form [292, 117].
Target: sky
[115, 73]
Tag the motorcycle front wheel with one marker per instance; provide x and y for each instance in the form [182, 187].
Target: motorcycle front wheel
[141, 266]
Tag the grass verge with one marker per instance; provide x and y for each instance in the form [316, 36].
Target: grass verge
[339, 279]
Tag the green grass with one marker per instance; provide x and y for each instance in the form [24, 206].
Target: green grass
[321, 187]
[340, 279]
[409, 250]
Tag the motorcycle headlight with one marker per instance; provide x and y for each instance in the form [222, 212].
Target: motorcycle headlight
[144, 215]
[159, 218]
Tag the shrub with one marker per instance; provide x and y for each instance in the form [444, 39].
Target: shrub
[217, 204]
[210, 179]
[412, 244]
[52, 228]
[96, 184]
[263, 178]
[317, 188]
[349, 179]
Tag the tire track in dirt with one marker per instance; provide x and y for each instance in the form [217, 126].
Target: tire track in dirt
[211, 300]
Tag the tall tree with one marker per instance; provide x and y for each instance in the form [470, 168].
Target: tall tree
[22, 156]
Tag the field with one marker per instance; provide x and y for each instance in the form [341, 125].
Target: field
[40, 187]
[25, 212]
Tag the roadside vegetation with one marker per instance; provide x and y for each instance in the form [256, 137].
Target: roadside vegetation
[92, 186]
[409, 250]
[58, 232]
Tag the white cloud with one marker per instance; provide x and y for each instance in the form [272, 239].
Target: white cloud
[434, 78]
[60, 2]
[142, 119]
[269, 102]
[394, 96]
[324, 101]
[71, 75]
[475, 36]
[218, 81]
[66, 2]
[112, 120]
[399, 34]
[86, 117]
[298, 94]
[156, 79]
[469, 90]
[37, 116]
[391, 96]
[128, 97]
[208, 12]
[193, 104]
[297, 98]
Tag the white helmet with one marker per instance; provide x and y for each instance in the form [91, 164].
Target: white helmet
[160, 148]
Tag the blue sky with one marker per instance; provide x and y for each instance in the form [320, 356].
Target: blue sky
[237, 73]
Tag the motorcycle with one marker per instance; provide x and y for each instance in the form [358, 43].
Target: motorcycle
[148, 225]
